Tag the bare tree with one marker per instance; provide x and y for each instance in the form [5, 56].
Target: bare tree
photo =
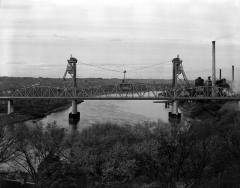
[7, 145]
[35, 144]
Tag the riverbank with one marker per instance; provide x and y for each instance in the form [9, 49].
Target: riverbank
[20, 117]
[207, 110]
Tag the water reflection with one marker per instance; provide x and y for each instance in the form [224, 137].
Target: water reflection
[73, 126]
[113, 111]
[118, 112]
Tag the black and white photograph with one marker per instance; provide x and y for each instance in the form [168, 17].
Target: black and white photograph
[119, 93]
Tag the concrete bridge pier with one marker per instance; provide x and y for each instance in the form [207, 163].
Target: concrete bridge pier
[74, 116]
[74, 106]
[174, 114]
[10, 107]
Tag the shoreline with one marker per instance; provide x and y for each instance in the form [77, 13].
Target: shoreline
[58, 109]
[20, 118]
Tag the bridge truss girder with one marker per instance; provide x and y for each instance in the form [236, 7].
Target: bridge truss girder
[135, 92]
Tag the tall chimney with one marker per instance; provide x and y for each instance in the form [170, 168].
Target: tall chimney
[213, 64]
[220, 74]
[232, 73]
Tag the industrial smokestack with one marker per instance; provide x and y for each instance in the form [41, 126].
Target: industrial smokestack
[220, 74]
[232, 73]
[213, 64]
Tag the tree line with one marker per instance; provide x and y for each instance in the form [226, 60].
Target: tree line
[147, 155]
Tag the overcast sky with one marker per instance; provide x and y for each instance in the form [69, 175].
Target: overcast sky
[141, 36]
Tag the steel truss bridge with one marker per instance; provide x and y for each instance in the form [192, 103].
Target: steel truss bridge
[125, 90]
[128, 92]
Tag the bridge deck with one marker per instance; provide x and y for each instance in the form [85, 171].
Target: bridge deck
[130, 98]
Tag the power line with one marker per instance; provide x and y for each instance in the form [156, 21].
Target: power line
[95, 66]
[131, 70]
[147, 67]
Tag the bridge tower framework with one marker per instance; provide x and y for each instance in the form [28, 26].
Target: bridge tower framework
[177, 71]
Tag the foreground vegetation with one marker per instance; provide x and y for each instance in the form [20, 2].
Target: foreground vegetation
[204, 154]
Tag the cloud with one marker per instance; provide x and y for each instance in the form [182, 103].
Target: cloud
[15, 4]
[114, 31]
[21, 7]
[60, 36]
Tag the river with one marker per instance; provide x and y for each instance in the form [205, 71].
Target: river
[120, 112]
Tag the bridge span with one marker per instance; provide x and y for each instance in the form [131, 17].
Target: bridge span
[165, 99]
[128, 91]
[157, 93]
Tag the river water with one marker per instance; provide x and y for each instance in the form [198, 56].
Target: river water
[120, 112]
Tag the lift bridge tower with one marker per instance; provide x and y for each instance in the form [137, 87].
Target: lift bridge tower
[177, 71]
[71, 69]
